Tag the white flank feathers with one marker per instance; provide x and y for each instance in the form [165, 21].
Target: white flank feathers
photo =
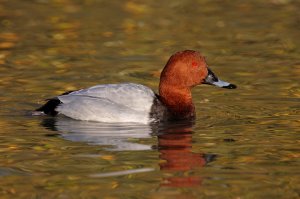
[125, 102]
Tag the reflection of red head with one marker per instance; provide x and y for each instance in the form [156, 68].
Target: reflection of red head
[175, 150]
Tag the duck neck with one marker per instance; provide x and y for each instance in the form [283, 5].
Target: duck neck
[178, 101]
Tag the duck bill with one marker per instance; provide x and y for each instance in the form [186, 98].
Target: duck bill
[212, 79]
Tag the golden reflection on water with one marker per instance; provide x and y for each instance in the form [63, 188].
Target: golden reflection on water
[50, 46]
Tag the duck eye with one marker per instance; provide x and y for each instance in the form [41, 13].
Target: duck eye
[194, 64]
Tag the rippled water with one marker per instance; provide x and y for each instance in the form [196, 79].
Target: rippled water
[244, 143]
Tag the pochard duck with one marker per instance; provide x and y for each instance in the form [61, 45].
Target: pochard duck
[130, 102]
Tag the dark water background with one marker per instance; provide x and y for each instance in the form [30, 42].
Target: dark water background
[244, 143]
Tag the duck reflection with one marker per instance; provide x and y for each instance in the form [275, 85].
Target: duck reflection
[175, 147]
[114, 136]
[174, 144]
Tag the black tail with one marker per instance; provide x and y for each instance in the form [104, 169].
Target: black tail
[51, 104]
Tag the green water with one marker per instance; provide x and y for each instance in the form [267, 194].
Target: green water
[244, 143]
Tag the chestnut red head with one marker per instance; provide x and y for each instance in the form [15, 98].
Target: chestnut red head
[187, 69]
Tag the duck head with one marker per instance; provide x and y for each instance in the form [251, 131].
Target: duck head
[186, 69]
[183, 71]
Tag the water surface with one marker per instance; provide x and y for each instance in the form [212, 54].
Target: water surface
[244, 143]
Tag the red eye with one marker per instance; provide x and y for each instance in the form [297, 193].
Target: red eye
[194, 64]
